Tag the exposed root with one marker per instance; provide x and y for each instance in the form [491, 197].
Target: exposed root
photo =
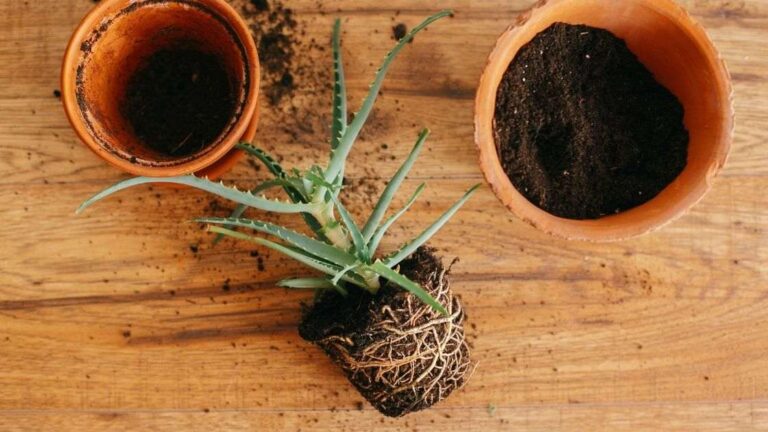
[400, 354]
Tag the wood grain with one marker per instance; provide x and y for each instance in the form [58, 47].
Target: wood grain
[109, 321]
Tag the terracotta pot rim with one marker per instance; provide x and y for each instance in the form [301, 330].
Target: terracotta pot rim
[572, 229]
[244, 112]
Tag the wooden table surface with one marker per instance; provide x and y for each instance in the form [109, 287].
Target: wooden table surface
[109, 321]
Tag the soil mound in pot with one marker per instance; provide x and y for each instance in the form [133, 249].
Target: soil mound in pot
[179, 101]
[583, 129]
[400, 354]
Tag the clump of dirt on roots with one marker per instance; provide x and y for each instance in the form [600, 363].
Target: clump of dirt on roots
[400, 354]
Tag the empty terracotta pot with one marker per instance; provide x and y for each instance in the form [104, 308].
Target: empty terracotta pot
[680, 55]
[116, 38]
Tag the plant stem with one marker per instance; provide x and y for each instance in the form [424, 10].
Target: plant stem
[371, 281]
[332, 229]
[337, 235]
[340, 238]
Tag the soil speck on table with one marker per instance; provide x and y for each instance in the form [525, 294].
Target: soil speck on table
[260, 5]
[399, 31]
[295, 71]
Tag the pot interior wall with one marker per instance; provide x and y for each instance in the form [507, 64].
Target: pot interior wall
[124, 42]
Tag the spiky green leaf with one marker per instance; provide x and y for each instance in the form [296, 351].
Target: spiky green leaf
[294, 253]
[309, 245]
[339, 112]
[311, 283]
[373, 244]
[293, 186]
[384, 271]
[240, 209]
[344, 271]
[422, 238]
[306, 283]
[294, 192]
[394, 184]
[317, 180]
[230, 193]
[361, 249]
[339, 155]
[269, 162]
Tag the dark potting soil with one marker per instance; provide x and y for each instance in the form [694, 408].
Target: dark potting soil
[334, 313]
[356, 332]
[179, 100]
[583, 129]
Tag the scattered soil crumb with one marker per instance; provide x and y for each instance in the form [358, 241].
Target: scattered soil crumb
[260, 5]
[399, 31]
[296, 71]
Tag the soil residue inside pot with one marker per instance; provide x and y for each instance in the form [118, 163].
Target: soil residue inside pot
[583, 129]
[179, 101]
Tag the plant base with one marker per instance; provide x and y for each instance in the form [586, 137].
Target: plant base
[400, 354]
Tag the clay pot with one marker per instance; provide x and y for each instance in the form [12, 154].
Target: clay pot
[682, 58]
[115, 38]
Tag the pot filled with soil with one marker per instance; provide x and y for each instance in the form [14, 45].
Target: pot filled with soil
[390, 320]
[162, 87]
[602, 120]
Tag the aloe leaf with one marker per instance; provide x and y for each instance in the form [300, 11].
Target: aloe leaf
[292, 188]
[272, 165]
[354, 231]
[306, 283]
[386, 272]
[312, 283]
[394, 184]
[294, 253]
[339, 155]
[319, 181]
[373, 244]
[338, 184]
[269, 184]
[310, 220]
[344, 271]
[241, 208]
[309, 245]
[339, 113]
[422, 238]
[219, 189]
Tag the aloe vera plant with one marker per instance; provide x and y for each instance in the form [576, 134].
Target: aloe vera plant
[345, 253]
